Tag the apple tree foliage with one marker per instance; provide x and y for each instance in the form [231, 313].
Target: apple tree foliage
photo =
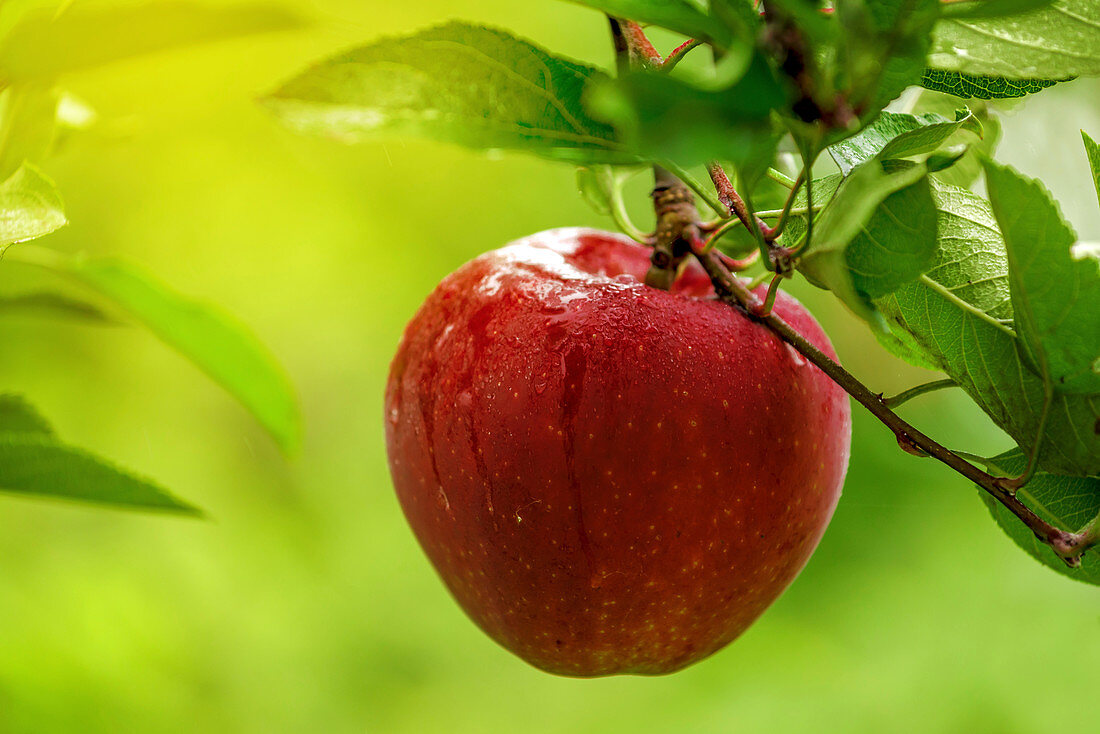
[38, 47]
[996, 292]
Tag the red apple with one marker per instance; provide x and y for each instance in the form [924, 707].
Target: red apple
[608, 477]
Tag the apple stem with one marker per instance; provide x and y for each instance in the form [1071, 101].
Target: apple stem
[1069, 546]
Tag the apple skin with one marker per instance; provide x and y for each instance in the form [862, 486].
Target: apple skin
[608, 477]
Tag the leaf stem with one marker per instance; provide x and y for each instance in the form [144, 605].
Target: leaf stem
[907, 395]
[676, 55]
[780, 178]
[786, 212]
[622, 218]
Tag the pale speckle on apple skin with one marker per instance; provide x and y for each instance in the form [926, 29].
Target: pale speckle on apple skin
[610, 485]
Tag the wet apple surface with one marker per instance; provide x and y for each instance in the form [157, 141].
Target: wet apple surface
[608, 477]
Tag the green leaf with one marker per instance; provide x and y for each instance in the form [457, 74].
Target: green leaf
[957, 317]
[35, 464]
[28, 118]
[19, 416]
[600, 185]
[876, 235]
[460, 83]
[1066, 502]
[1055, 292]
[1055, 42]
[45, 44]
[30, 207]
[965, 171]
[971, 86]
[659, 117]
[46, 303]
[217, 344]
[900, 135]
[1092, 150]
[884, 47]
[856, 199]
[682, 16]
[740, 16]
[992, 8]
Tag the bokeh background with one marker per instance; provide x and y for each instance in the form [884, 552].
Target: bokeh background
[304, 604]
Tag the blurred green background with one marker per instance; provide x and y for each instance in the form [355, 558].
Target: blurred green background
[304, 604]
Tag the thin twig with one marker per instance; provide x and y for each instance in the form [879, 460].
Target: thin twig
[734, 203]
[907, 395]
[782, 223]
[1067, 545]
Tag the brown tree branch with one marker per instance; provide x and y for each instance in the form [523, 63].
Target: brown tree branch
[1069, 546]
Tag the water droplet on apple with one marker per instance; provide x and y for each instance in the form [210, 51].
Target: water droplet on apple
[798, 359]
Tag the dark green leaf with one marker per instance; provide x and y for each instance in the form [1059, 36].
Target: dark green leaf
[1055, 292]
[37, 465]
[45, 45]
[970, 86]
[992, 8]
[884, 47]
[1068, 503]
[19, 416]
[1055, 42]
[220, 346]
[957, 317]
[460, 83]
[30, 207]
[1092, 150]
[53, 304]
[740, 16]
[682, 16]
[900, 135]
[659, 117]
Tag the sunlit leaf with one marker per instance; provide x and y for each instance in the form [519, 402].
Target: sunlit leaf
[30, 207]
[223, 348]
[461, 83]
